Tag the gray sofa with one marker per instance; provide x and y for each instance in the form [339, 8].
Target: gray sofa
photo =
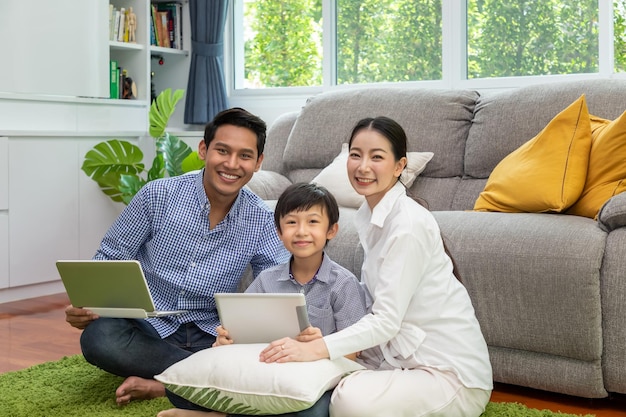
[549, 289]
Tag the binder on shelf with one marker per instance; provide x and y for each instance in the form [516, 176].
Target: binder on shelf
[114, 89]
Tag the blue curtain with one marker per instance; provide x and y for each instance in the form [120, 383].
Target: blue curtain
[206, 89]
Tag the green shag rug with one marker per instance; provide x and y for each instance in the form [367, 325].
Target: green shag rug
[71, 387]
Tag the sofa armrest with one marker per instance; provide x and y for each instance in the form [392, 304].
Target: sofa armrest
[612, 215]
[268, 185]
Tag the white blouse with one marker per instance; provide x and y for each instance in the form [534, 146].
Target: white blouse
[422, 315]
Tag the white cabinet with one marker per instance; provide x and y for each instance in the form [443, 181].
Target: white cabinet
[54, 211]
[4, 206]
[4, 174]
[43, 207]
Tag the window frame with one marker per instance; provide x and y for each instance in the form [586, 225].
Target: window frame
[454, 57]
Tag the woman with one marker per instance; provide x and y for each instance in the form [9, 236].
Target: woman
[421, 343]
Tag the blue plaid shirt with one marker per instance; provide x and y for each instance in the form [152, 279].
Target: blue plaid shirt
[166, 228]
[335, 299]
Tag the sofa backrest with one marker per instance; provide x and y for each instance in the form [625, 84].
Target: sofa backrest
[468, 132]
[435, 120]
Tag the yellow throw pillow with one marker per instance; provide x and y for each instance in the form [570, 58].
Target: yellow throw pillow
[547, 173]
[606, 175]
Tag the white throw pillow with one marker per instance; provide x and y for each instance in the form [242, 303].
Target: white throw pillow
[335, 176]
[231, 379]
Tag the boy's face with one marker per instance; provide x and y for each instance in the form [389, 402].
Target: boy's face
[304, 233]
[230, 160]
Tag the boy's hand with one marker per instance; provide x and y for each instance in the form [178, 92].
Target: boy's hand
[308, 334]
[222, 337]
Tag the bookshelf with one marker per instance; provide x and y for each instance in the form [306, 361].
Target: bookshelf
[146, 63]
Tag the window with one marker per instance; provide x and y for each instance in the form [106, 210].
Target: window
[619, 29]
[282, 43]
[388, 41]
[536, 37]
[324, 43]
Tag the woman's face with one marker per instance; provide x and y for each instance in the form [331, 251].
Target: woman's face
[372, 167]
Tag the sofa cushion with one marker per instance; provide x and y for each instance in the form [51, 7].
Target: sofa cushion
[268, 185]
[547, 173]
[544, 269]
[503, 121]
[606, 175]
[231, 379]
[335, 176]
[435, 121]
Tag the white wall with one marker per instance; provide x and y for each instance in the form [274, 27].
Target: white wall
[54, 47]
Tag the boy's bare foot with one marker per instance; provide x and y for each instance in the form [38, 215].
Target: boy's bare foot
[136, 388]
[177, 412]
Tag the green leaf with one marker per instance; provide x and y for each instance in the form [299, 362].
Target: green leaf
[162, 109]
[113, 156]
[129, 185]
[192, 162]
[174, 151]
[158, 168]
[108, 161]
[110, 185]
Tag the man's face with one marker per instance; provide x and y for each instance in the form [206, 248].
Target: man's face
[229, 161]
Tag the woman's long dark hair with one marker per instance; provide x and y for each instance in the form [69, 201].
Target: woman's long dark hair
[396, 135]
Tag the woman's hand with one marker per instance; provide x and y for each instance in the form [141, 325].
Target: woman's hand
[79, 317]
[308, 334]
[290, 350]
[222, 337]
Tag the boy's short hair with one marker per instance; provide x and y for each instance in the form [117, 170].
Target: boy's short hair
[302, 196]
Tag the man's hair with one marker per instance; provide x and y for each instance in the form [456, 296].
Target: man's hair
[302, 196]
[241, 118]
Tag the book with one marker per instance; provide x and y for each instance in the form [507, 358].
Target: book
[120, 32]
[114, 90]
[164, 38]
[116, 25]
[157, 27]
[174, 15]
[111, 21]
[125, 38]
[121, 74]
[152, 34]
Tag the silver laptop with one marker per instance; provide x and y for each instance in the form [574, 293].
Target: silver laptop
[109, 288]
[262, 317]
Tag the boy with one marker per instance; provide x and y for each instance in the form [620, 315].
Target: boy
[306, 218]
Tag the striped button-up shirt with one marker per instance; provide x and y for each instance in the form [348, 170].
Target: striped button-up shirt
[334, 298]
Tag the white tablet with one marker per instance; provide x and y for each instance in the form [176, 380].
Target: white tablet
[262, 317]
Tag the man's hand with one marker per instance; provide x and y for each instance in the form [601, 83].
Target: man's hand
[222, 337]
[308, 334]
[79, 317]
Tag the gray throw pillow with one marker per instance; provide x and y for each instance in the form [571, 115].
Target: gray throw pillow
[613, 213]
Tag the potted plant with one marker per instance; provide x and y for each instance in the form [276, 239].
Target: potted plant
[117, 166]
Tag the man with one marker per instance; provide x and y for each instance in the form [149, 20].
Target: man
[194, 235]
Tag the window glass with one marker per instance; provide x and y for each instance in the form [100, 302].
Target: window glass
[282, 43]
[531, 37]
[388, 40]
[619, 29]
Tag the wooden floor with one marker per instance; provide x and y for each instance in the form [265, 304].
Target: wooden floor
[34, 331]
